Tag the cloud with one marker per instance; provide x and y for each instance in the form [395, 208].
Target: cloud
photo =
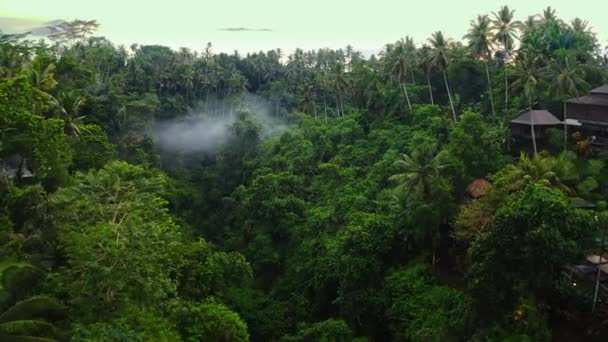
[33, 26]
[245, 29]
[206, 132]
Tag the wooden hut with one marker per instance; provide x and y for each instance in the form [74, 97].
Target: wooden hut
[530, 128]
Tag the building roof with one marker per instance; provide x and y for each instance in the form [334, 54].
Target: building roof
[538, 118]
[596, 99]
[478, 187]
[602, 90]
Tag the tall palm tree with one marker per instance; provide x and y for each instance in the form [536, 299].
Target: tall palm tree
[527, 77]
[410, 50]
[505, 34]
[480, 43]
[424, 58]
[440, 60]
[565, 77]
[340, 84]
[399, 67]
[549, 15]
[418, 172]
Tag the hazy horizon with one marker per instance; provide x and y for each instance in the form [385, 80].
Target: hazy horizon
[249, 26]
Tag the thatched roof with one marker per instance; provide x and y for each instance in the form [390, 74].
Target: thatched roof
[537, 117]
[478, 187]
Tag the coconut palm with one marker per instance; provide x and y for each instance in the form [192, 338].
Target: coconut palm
[543, 169]
[527, 76]
[505, 34]
[43, 81]
[566, 77]
[410, 50]
[549, 15]
[424, 58]
[480, 44]
[439, 59]
[69, 108]
[24, 320]
[418, 172]
[399, 67]
[419, 169]
[339, 84]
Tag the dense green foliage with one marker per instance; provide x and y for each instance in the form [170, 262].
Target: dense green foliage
[331, 205]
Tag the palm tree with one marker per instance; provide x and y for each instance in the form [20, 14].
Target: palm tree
[440, 60]
[527, 77]
[581, 27]
[70, 104]
[24, 320]
[340, 84]
[426, 63]
[566, 78]
[410, 50]
[480, 43]
[419, 169]
[543, 169]
[549, 15]
[42, 79]
[399, 67]
[278, 93]
[505, 34]
[418, 172]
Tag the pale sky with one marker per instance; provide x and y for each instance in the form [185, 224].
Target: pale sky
[308, 24]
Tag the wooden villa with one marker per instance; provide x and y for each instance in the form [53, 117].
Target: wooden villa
[591, 111]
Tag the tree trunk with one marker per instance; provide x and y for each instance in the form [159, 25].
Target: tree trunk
[407, 97]
[341, 104]
[532, 128]
[490, 88]
[428, 81]
[276, 109]
[207, 85]
[325, 107]
[565, 128]
[597, 278]
[506, 89]
[413, 78]
[447, 87]
[216, 99]
[434, 261]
